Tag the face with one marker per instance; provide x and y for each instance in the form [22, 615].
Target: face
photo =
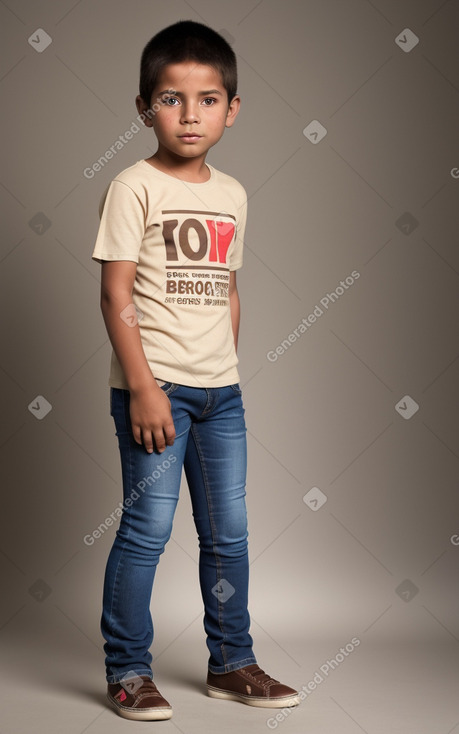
[192, 117]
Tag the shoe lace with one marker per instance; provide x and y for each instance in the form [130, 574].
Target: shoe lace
[147, 687]
[262, 677]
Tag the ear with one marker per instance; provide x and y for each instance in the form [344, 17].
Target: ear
[144, 111]
[233, 109]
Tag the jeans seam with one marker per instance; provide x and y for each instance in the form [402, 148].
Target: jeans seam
[212, 528]
[122, 550]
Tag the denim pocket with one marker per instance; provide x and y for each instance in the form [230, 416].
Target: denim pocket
[168, 387]
[236, 388]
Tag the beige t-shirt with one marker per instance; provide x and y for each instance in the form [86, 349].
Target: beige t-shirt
[185, 238]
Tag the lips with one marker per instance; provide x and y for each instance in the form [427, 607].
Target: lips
[190, 136]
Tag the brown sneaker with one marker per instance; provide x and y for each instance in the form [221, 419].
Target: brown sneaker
[138, 698]
[252, 686]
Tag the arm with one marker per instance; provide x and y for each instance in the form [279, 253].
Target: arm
[150, 410]
[235, 307]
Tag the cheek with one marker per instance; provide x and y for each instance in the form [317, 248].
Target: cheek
[168, 113]
[165, 118]
[216, 119]
[222, 122]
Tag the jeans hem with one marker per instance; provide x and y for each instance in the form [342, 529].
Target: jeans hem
[117, 677]
[230, 667]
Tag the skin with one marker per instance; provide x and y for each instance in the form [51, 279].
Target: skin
[199, 105]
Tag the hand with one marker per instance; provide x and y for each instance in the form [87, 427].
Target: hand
[151, 418]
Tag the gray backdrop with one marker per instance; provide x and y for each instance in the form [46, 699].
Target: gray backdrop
[347, 146]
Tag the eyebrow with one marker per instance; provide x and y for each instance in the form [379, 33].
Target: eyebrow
[180, 94]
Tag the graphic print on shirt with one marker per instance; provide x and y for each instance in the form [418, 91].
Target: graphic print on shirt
[197, 268]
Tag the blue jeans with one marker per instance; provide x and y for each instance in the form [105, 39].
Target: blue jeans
[211, 446]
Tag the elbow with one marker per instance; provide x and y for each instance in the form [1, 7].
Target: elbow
[110, 301]
[105, 301]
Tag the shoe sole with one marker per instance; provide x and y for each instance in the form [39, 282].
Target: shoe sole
[270, 703]
[153, 714]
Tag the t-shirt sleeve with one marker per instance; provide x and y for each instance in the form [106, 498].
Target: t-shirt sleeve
[122, 224]
[236, 257]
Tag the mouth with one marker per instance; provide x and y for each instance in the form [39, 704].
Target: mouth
[190, 137]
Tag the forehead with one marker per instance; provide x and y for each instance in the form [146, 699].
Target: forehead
[189, 76]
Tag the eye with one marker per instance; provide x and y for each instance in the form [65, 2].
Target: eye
[208, 101]
[170, 101]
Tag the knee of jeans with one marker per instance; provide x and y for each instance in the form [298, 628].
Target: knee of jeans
[233, 542]
[149, 535]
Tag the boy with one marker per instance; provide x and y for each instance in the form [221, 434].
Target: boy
[170, 242]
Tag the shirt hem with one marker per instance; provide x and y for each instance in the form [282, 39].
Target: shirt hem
[101, 257]
[233, 379]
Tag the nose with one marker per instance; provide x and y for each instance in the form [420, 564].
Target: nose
[190, 112]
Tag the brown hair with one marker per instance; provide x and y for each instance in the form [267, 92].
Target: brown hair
[187, 41]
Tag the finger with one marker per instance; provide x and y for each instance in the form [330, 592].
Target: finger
[160, 443]
[136, 432]
[148, 441]
[169, 433]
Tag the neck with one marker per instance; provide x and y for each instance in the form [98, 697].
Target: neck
[193, 170]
